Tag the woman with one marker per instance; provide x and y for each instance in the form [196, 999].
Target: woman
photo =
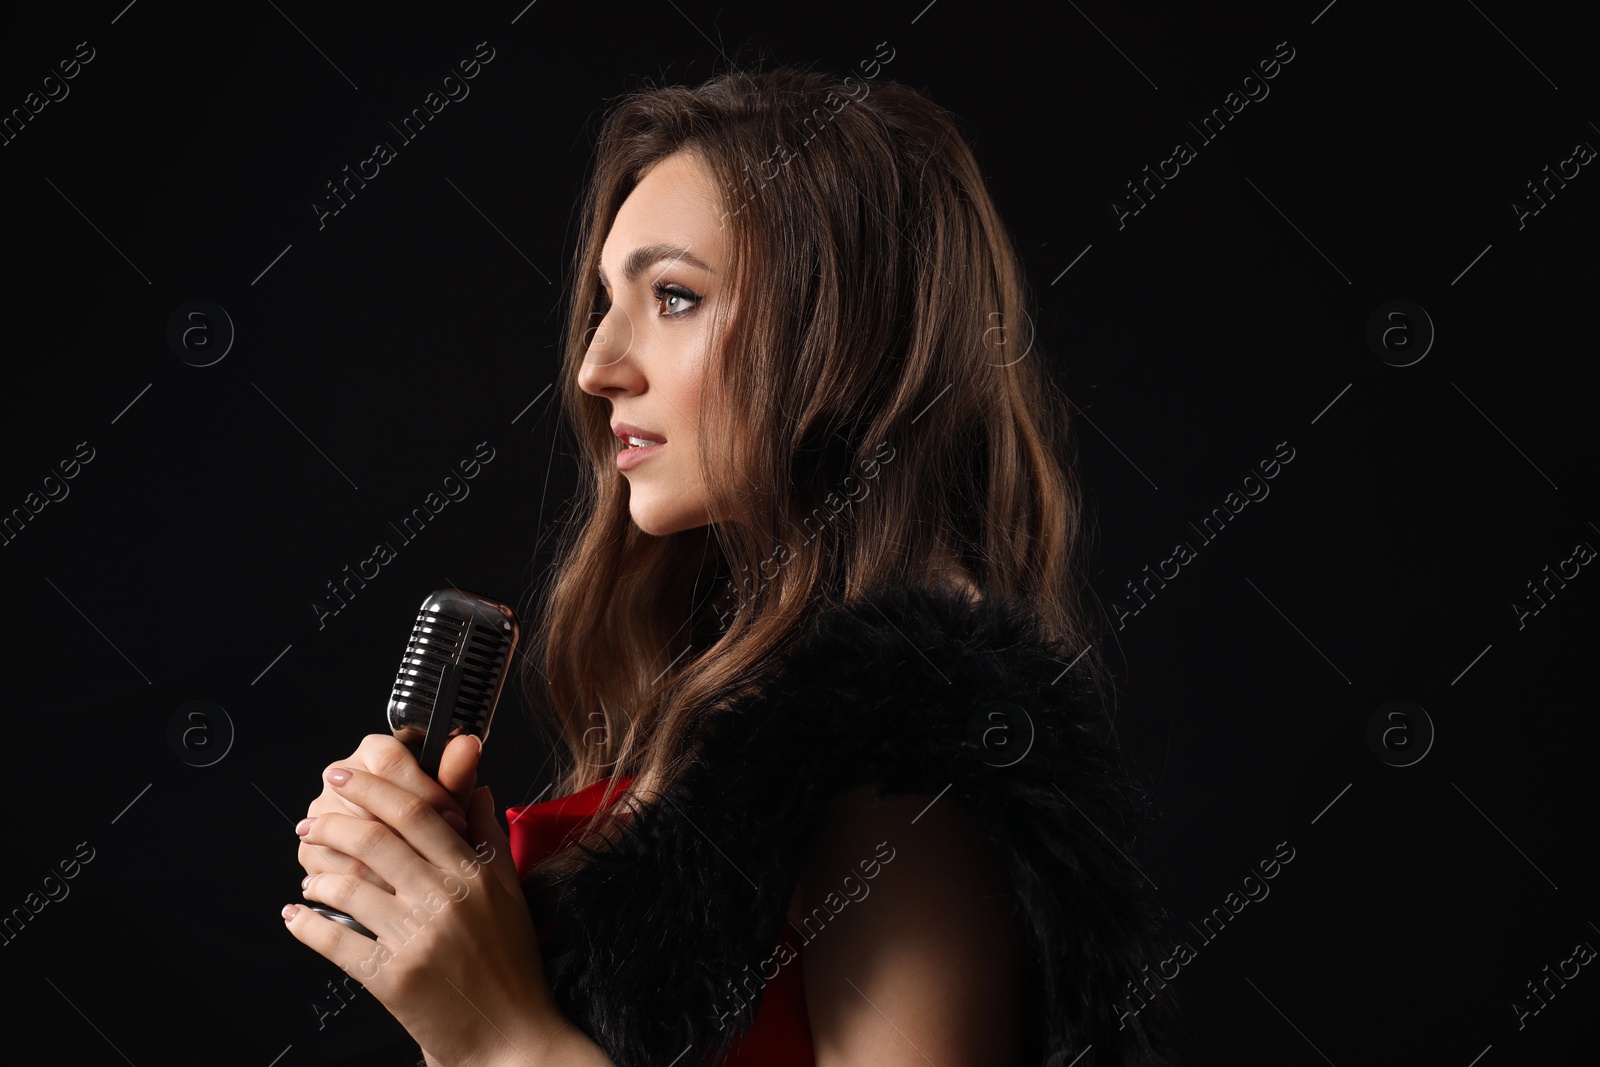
[834, 778]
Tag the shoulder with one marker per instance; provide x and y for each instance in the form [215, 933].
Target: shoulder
[912, 947]
[912, 694]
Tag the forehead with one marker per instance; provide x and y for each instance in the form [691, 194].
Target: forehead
[676, 203]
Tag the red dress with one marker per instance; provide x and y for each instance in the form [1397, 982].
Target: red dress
[780, 1036]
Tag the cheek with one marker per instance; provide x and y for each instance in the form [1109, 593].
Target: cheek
[692, 429]
[690, 401]
[686, 395]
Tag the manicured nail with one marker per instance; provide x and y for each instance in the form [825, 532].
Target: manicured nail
[303, 827]
[338, 776]
[305, 881]
[290, 911]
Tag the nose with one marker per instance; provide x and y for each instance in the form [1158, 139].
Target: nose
[606, 366]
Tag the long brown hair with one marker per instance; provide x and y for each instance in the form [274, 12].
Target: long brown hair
[878, 413]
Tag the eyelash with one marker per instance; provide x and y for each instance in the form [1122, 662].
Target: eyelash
[661, 291]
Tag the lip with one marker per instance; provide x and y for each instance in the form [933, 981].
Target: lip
[624, 430]
[630, 457]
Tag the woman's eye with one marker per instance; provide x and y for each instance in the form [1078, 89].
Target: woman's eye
[674, 299]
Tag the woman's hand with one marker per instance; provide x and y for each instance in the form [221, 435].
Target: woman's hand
[384, 756]
[457, 959]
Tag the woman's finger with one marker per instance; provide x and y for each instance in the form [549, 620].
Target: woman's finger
[333, 940]
[485, 834]
[346, 894]
[410, 817]
[316, 859]
[385, 756]
[375, 844]
[458, 768]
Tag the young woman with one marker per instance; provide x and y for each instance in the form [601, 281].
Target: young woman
[836, 788]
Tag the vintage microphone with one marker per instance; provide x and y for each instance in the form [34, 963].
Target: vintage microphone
[448, 684]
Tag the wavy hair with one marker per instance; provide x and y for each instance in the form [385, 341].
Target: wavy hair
[883, 407]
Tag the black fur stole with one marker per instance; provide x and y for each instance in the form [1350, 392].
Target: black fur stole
[913, 690]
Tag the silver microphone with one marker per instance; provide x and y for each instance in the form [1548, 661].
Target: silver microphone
[449, 682]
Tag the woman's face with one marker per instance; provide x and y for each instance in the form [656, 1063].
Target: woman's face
[662, 268]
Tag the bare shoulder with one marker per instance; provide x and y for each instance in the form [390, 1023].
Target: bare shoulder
[911, 950]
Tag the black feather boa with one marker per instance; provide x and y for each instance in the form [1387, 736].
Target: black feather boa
[887, 691]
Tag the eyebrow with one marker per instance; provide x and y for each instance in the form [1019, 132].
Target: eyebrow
[649, 255]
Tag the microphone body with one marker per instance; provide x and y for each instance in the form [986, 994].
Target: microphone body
[449, 682]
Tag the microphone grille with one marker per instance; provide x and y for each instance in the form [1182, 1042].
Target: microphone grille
[454, 664]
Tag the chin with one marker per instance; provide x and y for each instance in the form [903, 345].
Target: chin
[657, 524]
[653, 523]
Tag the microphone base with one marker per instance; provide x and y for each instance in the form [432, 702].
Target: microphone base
[340, 917]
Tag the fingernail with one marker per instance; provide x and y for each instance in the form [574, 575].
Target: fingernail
[305, 881]
[303, 827]
[457, 823]
[290, 911]
[338, 776]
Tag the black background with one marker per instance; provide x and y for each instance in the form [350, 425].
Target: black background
[1227, 316]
